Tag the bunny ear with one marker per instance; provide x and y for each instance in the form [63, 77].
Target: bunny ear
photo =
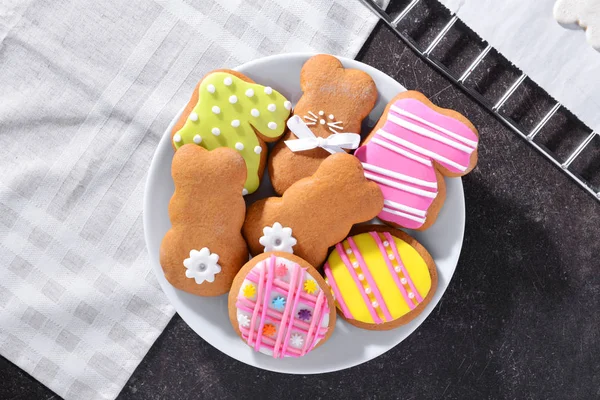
[318, 69]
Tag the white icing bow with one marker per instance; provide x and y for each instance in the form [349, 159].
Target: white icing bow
[307, 140]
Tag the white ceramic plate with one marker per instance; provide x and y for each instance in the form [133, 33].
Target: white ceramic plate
[348, 346]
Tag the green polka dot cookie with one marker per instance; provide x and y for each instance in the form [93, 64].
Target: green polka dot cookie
[228, 109]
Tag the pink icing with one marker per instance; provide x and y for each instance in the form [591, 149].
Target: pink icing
[391, 269]
[367, 273]
[340, 249]
[449, 143]
[268, 288]
[269, 285]
[336, 291]
[392, 243]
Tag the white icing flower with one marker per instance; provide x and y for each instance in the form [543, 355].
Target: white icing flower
[243, 320]
[296, 340]
[278, 238]
[202, 265]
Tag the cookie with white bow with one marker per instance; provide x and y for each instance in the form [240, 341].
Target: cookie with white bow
[327, 119]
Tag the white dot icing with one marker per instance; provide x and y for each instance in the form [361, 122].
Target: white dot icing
[331, 116]
[250, 92]
[361, 277]
[348, 251]
[197, 139]
[272, 125]
[216, 109]
[272, 107]
[375, 304]
[391, 256]
[403, 281]
[239, 146]
[287, 105]
[235, 123]
[368, 290]
[227, 81]
[321, 112]
[411, 295]
[211, 88]
[322, 121]
[254, 112]
[268, 89]
[233, 99]
[397, 269]
[355, 264]
[244, 191]
[216, 131]
[386, 243]
[177, 138]
[258, 149]
[193, 116]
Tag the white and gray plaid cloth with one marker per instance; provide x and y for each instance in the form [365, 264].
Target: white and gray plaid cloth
[86, 90]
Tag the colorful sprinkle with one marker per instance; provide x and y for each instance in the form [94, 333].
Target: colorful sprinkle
[296, 340]
[243, 320]
[310, 286]
[269, 330]
[304, 314]
[278, 303]
[249, 290]
[281, 270]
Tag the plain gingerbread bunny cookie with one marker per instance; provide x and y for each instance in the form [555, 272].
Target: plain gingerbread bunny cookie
[204, 249]
[334, 100]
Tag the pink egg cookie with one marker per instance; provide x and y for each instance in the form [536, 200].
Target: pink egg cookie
[408, 153]
[281, 306]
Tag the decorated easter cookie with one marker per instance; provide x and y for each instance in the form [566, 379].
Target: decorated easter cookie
[228, 109]
[584, 14]
[281, 306]
[381, 278]
[315, 212]
[204, 248]
[408, 153]
[335, 100]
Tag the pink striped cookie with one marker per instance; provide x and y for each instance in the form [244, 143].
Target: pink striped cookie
[380, 277]
[408, 153]
[281, 306]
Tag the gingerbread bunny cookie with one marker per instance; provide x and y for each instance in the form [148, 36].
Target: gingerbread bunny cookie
[408, 153]
[334, 100]
[314, 213]
[204, 249]
[228, 109]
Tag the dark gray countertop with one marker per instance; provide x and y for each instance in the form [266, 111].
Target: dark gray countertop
[520, 318]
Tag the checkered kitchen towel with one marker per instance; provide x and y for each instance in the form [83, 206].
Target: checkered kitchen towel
[86, 90]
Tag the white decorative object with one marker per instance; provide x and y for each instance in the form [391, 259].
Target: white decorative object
[307, 140]
[202, 265]
[584, 14]
[277, 238]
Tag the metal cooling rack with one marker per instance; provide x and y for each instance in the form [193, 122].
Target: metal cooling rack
[492, 106]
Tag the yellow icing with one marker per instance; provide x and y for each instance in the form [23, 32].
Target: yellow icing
[229, 135]
[382, 276]
[348, 289]
[374, 259]
[416, 267]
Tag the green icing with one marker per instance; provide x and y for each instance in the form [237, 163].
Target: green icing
[269, 123]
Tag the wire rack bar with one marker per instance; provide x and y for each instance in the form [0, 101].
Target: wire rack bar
[509, 93]
[405, 12]
[543, 122]
[474, 64]
[494, 109]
